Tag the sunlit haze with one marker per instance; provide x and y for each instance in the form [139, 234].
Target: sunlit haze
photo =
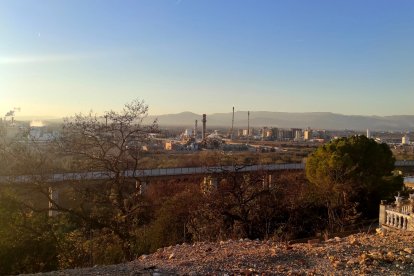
[58, 58]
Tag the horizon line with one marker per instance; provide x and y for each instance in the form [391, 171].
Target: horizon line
[54, 117]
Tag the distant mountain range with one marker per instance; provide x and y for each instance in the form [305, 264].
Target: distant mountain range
[315, 120]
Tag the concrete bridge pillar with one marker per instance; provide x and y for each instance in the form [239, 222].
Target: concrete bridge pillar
[209, 184]
[213, 182]
[53, 199]
[267, 181]
[141, 186]
[210, 181]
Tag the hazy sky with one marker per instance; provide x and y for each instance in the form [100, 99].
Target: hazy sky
[61, 57]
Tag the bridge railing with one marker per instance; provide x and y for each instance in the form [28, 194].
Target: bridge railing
[98, 175]
[164, 172]
[404, 163]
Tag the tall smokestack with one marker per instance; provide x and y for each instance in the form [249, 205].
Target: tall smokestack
[232, 125]
[195, 129]
[203, 134]
[248, 126]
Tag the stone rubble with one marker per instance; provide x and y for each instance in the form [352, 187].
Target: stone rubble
[384, 253]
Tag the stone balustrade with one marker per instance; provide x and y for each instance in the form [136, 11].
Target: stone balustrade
[399, 215]
[398, 220]
[406, 209]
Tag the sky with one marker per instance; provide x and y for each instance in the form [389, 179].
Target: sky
[61, 57]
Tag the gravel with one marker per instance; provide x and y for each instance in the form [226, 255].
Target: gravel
[383, 253]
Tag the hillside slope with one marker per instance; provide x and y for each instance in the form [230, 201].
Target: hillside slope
[376, 254]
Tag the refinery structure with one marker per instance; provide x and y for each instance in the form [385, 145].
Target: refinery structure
[247, 138]
[240, 138]
[202, 137]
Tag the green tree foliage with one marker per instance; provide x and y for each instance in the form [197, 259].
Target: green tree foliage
[27, 243]
[352, 175]
[170, 225]
[88, 247]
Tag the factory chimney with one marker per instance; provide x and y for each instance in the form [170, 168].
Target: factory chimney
[232, 125]
[195, 129]
[248, 126]
[203, 134]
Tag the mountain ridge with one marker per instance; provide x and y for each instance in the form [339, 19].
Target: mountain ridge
[315, 120]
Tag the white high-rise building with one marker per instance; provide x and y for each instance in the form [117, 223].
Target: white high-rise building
[405, 140]
[307, 134]
[368, 133]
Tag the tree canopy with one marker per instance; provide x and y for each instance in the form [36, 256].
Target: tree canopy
[354, 170]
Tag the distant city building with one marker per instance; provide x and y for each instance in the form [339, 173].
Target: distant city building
[368, 133]
[285, 134]
[275, 133]
[246, 132]
[307, 134]
[41, 134]
[169, 145]
[297, 134]
[263, 132]
[320, 134]
[405, 140]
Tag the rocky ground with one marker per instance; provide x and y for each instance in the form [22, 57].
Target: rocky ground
[383, 253]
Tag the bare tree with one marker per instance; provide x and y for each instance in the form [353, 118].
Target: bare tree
[111, 144]
[230, 207]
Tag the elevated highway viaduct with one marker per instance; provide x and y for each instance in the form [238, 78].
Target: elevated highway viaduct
[142, 178]
[406, 166]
